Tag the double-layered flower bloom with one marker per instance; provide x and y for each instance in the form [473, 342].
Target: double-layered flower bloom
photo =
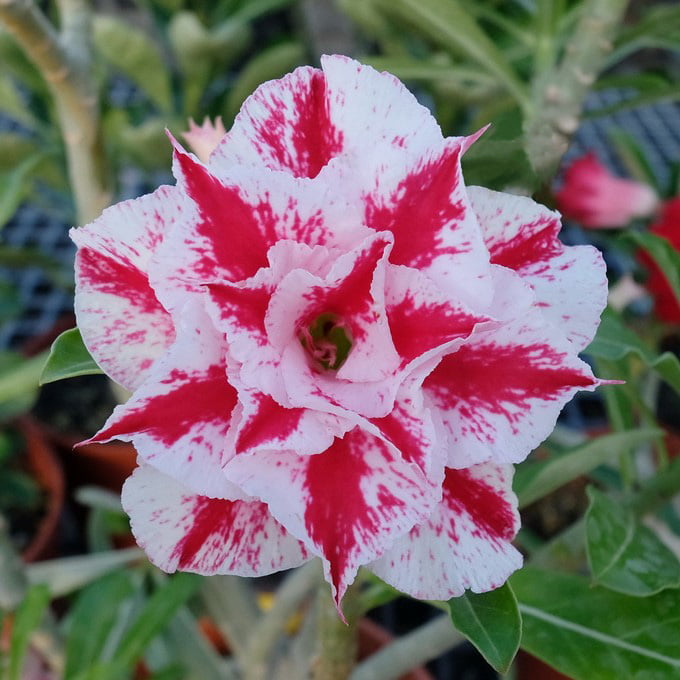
[335, 347]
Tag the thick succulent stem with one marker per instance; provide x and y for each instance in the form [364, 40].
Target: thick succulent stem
[559, 92]
[64, 63]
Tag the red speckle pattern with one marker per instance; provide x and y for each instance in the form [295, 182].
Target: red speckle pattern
[338, 518]
[534, 243]
[270, 422]
[243, 307]
[112, 277]
[406, 432]
[487, 378]
[235, 230]
[350, 298]
[418, 328]
[491, 514]
[420, 210]
[315, 140]
[192, 399]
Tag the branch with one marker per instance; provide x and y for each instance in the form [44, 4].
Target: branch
[422, 645]
[66, 72]
[559, 92]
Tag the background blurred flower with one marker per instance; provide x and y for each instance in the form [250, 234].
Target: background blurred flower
[668, 226]
[594, 197]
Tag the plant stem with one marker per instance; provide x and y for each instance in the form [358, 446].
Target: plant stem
[559, 92]
[257, 659]
[64, 63]
[423, 644]
[336, 641]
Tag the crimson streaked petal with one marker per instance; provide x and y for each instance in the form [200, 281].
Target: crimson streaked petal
[498, 396]
[265, 424]
[568, 281]
[423, 202]
[464, 544]
[347, 504]
[179, 417]
[123, 324]
[181, 530]
[421, 317]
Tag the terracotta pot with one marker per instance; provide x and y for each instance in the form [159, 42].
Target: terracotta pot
[530, 668]
[46, 469]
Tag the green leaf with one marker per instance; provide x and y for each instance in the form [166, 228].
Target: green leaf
[91, 620]
[492, 622]
[135, 55]
[66, 574]
[13, 186]
[448, 24]
[624, 555]
[663, 253]
[614, 341]
[11, 102]
[155, 616]
[27, 619]
[533, 480]
[68, 358]
[633, 156]
[592, 633]
[266, 65]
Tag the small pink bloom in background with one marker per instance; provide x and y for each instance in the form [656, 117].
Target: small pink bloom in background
[203, 140]
[594, 197]
[335, 347]
[667, 225]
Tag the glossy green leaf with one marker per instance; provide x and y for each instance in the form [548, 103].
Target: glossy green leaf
[592, 633]
[623, 554]
[68, 358]
[533, 480]
[135, 55]
[448, 24]
[91, 620]
[492, 622]
[614, 341]
[155, 616]
[27, 618]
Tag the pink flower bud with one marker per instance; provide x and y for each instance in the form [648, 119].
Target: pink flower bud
[594, 197]
[205, 138]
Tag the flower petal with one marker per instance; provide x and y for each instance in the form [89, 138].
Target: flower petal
[498, 396]
[465, 543]
[179, 418]
[423, 202]
[123, 324]
[569, 282]
[421, 317]
[347, 504]
[265, 424]
[181, 530]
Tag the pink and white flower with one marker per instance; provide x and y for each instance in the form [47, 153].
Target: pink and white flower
[203, 139]
[335, 347]
[591, 195]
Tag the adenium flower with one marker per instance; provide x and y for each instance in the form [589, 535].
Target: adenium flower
[595, 198]
[667, 226]
[203, 139]
[335, 347]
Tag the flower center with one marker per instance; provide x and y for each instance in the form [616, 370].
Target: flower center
[327, 341]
